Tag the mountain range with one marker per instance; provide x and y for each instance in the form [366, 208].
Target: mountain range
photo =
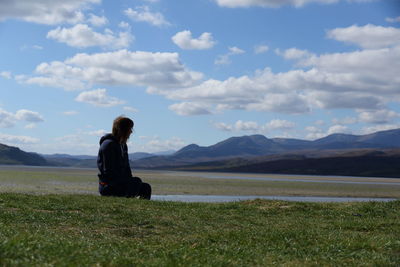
[250, 147]
[368, 155]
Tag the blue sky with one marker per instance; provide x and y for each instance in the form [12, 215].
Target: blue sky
[195, 71]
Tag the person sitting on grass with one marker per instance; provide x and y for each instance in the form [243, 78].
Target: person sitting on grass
[115, 177]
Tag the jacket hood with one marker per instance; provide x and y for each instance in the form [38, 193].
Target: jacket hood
[107, 136]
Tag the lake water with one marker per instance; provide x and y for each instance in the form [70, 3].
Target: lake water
[215, 198]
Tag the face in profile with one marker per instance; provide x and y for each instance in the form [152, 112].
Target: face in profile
[127, 135]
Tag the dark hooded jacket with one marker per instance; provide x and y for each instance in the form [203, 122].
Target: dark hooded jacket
[113, 162]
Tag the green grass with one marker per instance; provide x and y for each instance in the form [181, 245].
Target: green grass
[88, 230]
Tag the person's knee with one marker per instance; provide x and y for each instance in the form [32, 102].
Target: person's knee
[147, 187]
[145, 191]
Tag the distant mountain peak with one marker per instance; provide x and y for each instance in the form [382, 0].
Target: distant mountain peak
[190, 147]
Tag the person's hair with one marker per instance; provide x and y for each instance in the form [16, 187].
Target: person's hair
[121, 129]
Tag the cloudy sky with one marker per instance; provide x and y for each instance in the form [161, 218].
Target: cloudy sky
[195, 71]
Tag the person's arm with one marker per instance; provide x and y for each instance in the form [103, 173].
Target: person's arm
[128, 165]
[110, 157]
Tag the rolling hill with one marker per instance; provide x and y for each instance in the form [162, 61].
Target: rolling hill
[355, 162]
[248, 147]
[10, 155]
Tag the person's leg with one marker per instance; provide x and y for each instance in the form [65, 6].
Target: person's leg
[145, 191]
[133, 187]
[107, 190]
[136, 188]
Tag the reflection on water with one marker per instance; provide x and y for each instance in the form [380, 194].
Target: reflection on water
[218, 198]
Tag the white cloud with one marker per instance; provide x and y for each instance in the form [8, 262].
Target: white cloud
[363, 79]
[97, 133]
[46, 11]
[282, 103]
[156, 144]
[393, 20]
[70, 113]
[6, 74]
[27, 115]
[37, 47]
[250, 126]
[293, 53]
[225, 59]
[274, 3]
[70, 139]
[188, 108]
[124, 25]
[378, 116]
[17, 139]
[56, 81]
[314, 133]
[81, 36]
[254, 127]
[98, 98]
[222, 60]
[346, 120]
[359, 71]
[265, 91]
[123, 67]
[56, 74]
[259, 49]
[334, 100]
[30, 126]
[28, 47]
[65, 144]
[338, 129]
[144, 14]
[131, 109]
[313, 129]
[184, 40]
[279, 125]
[235, 50]
[368, 36]
[246, 126]
[230, 91]
[135, 68]
[97, 20]
[223, 126]
[8, 119]
[380, 127]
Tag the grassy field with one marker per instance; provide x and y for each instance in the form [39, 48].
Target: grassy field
[84, 181]
[88, 230]
[54, 217]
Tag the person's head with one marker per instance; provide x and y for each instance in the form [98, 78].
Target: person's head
[122, 129]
